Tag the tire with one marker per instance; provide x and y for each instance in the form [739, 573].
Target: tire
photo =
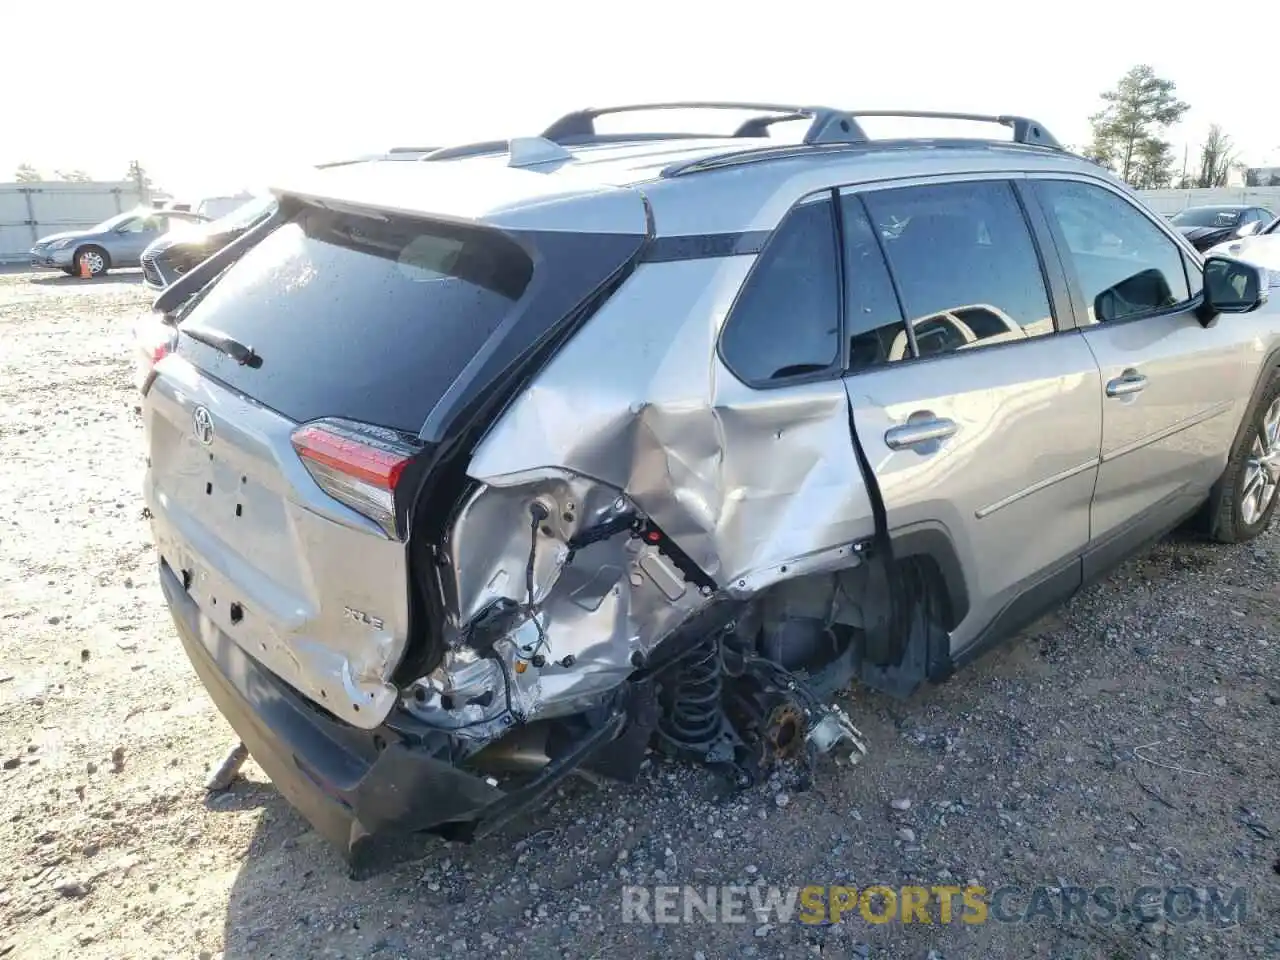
[98, 260]
[1243, 505]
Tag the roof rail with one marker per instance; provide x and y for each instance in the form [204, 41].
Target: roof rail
[1026, 133]
[503, 146]
[1025, 130]
[826, 125]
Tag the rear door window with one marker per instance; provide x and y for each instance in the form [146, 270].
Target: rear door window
[357, 317]
[965, 265]
[786, 322]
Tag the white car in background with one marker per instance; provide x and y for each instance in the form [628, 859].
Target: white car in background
[215, 208]
[1262, 249]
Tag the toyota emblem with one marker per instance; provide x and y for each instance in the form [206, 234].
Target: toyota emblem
[203, 425]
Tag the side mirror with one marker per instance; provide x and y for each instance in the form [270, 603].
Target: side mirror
[1249, 229]
[1231, 286]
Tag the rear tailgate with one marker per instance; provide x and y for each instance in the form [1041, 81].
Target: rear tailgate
[266, 555]
[365, 317]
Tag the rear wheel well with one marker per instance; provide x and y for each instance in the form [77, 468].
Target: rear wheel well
[931, 546]
[826, 624]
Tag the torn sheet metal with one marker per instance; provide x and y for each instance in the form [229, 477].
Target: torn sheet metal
[744, 481]
[573, 630]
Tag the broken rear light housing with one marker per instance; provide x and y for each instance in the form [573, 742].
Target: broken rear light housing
[154, 339]
[357, 464]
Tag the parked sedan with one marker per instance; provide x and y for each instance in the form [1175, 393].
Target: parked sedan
[1208, 226]
[1262, 249]
[170, 256]
[117, 242]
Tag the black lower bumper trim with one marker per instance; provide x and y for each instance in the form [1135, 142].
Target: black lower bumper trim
[354, 785]
[349, 783]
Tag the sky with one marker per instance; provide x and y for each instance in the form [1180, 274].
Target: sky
[224, 101]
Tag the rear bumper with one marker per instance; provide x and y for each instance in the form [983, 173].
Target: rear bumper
[356, 785]
[351, 784]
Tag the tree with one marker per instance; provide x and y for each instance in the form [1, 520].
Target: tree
[73, 176]
[26, 173]
[1127, 131]
[141, 179]
[1217, 159]
[1153, 165]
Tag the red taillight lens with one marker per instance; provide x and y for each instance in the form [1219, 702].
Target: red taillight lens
[154, 340]
[356, 464]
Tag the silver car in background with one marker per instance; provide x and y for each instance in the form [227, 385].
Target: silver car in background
[115, 242]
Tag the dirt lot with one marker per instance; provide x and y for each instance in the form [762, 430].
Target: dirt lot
[1130, 741]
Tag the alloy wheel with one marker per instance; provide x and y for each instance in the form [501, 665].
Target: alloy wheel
[1262, 468]
[94, 261]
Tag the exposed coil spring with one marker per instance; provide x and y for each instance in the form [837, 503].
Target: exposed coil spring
[693, 716]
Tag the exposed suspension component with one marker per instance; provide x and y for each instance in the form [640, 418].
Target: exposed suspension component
[692, 723]
[720, 695]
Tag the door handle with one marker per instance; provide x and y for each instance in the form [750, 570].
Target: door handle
[1129, 382]
[916, 432]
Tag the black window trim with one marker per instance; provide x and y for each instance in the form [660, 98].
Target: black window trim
[1062, 289]
[1055, 283]
[909, 328]
[1189, 254]
[834, 370]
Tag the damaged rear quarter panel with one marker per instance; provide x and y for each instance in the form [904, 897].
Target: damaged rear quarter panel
[743, 481]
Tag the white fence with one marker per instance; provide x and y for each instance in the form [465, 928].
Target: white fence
[29, 211]
[1171, 201]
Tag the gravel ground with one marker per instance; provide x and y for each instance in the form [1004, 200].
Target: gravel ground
[1129, 740]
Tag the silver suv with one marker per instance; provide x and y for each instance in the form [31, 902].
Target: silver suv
[531, 455]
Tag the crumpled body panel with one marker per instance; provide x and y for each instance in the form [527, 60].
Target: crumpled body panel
[728, 490]
[744, 481]
[617, 598]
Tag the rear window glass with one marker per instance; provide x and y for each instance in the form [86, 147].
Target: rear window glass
[358, 317]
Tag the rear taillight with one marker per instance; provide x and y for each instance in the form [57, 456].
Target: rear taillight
[356, 464]
[153, 341]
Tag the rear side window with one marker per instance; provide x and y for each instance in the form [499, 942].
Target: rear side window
[786, 322]
[1125, 266]
[965, 265]
[359, 318]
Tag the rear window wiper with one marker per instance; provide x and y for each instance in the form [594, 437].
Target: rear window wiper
[224, 343]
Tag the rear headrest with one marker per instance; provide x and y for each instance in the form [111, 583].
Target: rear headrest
[946, 230]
